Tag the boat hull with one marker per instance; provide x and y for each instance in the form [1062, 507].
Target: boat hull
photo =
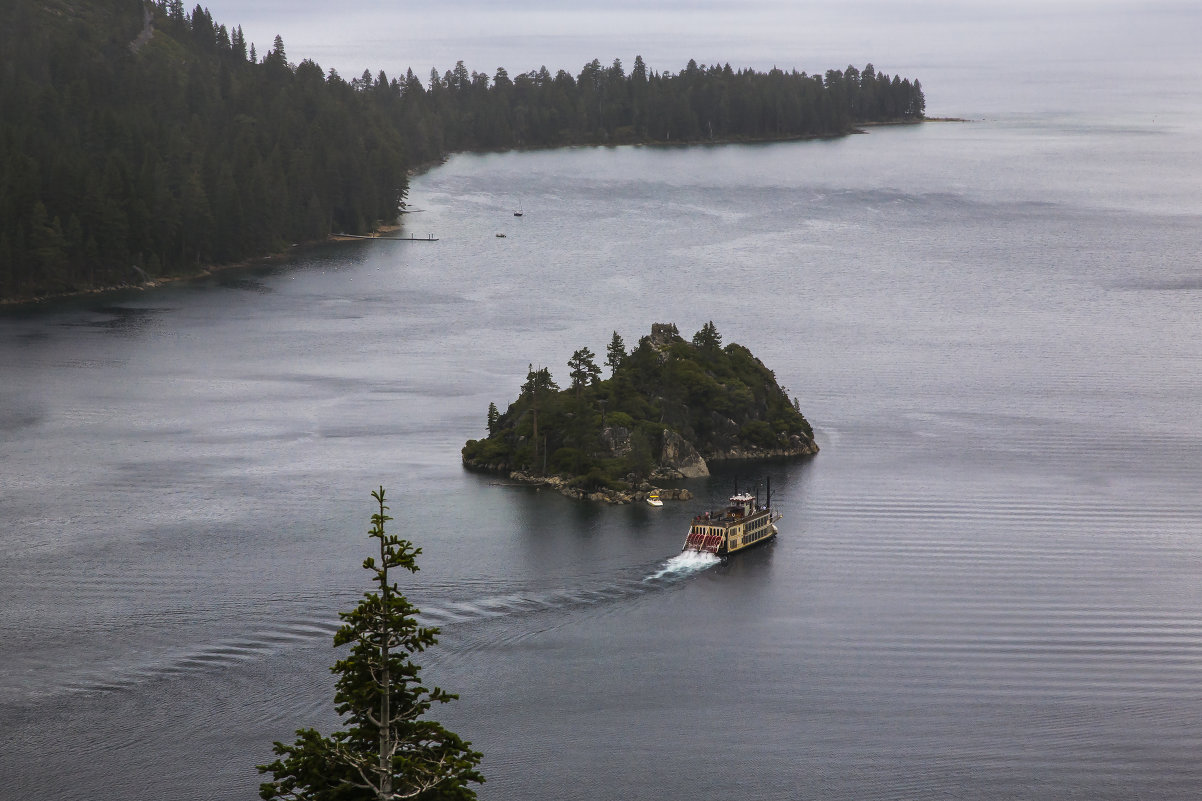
[769, 537]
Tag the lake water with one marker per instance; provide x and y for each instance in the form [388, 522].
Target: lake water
[988, 584]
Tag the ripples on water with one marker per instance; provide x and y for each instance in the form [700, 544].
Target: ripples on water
[986, 585]
[280, 636]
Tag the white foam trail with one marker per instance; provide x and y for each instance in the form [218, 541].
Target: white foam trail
[685, 562]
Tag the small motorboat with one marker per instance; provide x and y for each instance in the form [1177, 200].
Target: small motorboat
[653, 499]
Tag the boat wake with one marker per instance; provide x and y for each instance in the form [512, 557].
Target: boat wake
[278, 636]
[683, 564]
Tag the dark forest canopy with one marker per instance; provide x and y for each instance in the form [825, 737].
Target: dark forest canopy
[605, 104]
[141, 141]
[124, 156]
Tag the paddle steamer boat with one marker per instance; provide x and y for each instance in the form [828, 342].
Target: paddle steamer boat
[741, 525]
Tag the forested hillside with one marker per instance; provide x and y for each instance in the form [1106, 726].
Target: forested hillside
[140, 140]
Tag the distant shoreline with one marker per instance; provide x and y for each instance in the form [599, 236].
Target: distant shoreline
[207, 270]
[425, 167]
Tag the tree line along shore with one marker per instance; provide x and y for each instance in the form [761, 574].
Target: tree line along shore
[141, 141]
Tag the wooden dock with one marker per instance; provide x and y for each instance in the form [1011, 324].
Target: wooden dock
[410, 238]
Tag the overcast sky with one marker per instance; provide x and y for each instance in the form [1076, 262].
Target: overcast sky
[939, 41]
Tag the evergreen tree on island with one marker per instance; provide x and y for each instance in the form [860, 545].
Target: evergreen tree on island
[708, 339]
[583, 369]
[615, 352]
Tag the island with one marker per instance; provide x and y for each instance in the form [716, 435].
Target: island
[670, 407]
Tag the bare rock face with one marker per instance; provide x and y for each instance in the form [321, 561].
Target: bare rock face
[798, 446]
[803, 446]
[616, 439]
[679, 459]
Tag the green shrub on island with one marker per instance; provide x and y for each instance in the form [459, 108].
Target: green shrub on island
[668, 406]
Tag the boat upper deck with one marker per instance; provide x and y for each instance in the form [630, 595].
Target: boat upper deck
[742, 508]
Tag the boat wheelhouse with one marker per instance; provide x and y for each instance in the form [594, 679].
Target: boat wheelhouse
[742, 524]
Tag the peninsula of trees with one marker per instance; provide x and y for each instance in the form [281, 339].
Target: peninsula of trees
[139, 140]
[668, 406]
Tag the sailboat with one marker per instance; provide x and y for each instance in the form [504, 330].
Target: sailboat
[518, 213]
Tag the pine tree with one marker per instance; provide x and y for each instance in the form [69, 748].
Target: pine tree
[708, 338]
[538, 383]
[615, 352]
[584, 369]
[388, 750]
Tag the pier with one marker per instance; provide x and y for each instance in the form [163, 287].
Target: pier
[410, 238]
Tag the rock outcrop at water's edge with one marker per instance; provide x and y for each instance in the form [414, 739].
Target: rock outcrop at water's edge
[670, 407]
[679, 459]
[564, 487]
[798, 446]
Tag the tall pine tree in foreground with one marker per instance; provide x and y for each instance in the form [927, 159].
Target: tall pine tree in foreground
[388, 751]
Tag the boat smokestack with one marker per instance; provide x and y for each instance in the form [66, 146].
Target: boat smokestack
[768, 491]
